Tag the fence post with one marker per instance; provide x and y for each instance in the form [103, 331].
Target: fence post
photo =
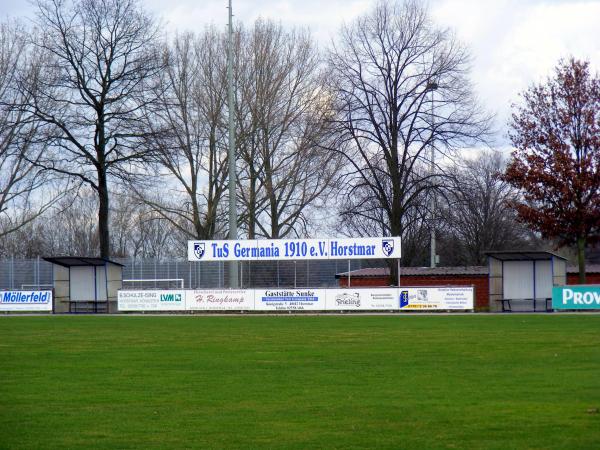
[348, 273]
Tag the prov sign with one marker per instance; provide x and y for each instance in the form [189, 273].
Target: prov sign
[576, 297]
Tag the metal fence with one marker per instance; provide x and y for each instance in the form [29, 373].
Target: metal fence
[37, 273]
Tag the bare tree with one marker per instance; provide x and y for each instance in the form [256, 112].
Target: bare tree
[388, 68]
[140, 231]
[477, 216]
[282, 112]
[21, 199]
[95, 92]
[190, 134]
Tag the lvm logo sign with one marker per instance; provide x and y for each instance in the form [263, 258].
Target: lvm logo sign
[576, 297]
[171, 297]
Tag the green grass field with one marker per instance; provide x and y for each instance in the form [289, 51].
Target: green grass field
[477, 381]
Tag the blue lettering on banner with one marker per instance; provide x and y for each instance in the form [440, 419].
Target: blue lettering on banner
[351, 250]
[294, 249]
[33, 297]
[289, 296]
[290, 299]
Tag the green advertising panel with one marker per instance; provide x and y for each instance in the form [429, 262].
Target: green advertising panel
[576, 297]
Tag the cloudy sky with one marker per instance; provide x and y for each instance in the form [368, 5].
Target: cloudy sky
[513, 42]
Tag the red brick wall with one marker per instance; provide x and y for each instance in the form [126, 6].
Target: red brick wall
[590, 278]
[479, 281]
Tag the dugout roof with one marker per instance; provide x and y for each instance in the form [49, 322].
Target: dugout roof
[521, 255]
[80, 261]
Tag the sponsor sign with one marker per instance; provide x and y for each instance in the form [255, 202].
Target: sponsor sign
[576, 297]
[294, 249]
[159, 300]
[362, 299]
[289, 299]
[25, 300]
[425, 298]
[219, 300]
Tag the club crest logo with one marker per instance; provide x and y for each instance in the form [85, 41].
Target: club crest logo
[387, 246]
[199, 249]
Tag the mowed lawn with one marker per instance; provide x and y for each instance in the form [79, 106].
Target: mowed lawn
[477, 381]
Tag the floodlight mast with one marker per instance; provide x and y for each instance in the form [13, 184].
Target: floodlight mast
[233, 265]
[432, 87]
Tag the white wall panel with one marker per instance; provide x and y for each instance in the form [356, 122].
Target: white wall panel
[82, 284]
[543, 279]
[518, 279]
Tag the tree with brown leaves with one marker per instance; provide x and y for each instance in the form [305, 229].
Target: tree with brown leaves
[556, 161]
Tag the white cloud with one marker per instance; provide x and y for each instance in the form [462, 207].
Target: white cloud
[517, 43]
[513, 42]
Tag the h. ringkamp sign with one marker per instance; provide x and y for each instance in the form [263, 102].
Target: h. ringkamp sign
[292, 249]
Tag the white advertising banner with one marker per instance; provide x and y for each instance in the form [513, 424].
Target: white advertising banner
[294, 249]
[25, 300]
[362, 299]
[424, 298]
[159, 300]
[289, 299]
[220, 300]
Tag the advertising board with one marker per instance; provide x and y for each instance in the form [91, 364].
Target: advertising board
[25, 300]
[362, 299]
[427, 298]
[294, 249]
[576, 297]
[305, 299]
[289, 299]
[219, 300]
[151, 300]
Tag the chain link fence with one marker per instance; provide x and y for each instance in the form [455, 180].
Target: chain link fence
[156, 274]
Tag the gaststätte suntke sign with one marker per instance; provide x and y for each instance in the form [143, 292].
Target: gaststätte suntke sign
[293, 249]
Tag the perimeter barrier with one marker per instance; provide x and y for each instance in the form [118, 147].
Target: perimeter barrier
[379, 299]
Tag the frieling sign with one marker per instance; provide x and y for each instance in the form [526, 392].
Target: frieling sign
[291, 249]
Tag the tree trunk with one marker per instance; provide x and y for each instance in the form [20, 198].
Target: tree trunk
[581, 258]
[103, 232]
[272, 199]
[252, 206]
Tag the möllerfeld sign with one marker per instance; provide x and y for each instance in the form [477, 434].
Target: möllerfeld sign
[292, 249]
[576, 297]
[25, 300]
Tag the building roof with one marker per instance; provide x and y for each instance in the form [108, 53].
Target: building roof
[80, 261]
[377, 272]
[417, 271]
[520, 255]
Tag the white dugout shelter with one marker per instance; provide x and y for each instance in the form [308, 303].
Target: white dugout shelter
[83, 284]
[523, 280]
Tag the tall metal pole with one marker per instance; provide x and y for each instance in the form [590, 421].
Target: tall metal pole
[433, 87]
[233, 265]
